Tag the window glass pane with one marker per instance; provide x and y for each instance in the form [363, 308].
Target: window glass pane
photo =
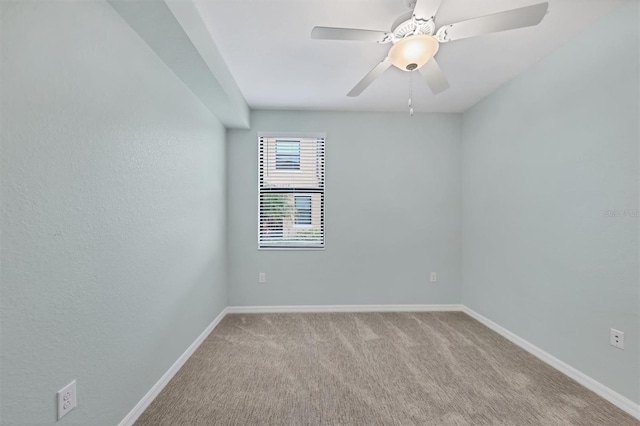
[303, 210]
[275, 210]
[287, 155]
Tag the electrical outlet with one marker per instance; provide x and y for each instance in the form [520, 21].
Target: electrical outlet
[262, 278]
[67, 399]
[617, 339]
[434, 277]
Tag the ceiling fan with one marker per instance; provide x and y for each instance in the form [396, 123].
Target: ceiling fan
[415, 40]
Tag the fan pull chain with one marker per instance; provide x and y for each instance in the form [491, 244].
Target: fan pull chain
[411, 94]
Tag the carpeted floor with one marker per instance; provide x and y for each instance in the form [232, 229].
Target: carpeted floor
[370, 369]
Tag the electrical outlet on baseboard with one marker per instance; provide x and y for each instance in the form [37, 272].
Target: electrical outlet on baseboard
[434, 277]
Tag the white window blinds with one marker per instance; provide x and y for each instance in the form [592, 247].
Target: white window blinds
[291, 192]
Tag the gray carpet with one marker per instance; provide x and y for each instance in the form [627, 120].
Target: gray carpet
[370, 369]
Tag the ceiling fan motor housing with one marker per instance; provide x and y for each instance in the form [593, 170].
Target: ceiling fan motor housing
[412, 27]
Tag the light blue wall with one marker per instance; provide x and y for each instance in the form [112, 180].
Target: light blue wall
[113, 210]
[176, 33]
[113, 214]
[392, 212]
[544, 159]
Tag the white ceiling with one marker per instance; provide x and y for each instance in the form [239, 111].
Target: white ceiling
[267, 46]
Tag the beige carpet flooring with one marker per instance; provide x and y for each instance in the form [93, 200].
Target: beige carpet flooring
[440, 368]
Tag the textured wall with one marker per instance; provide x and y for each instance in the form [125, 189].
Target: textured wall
[392, 212]
[545, 158]
[113, 214]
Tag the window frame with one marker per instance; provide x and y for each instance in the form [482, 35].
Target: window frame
[284, 136]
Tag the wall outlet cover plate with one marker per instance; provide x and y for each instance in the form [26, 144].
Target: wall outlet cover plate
[67, 399]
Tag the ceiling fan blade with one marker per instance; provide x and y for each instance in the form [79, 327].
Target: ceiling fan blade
[434, 76]
[368, 79]
[501, 21]
[330, 33]
[426, 9]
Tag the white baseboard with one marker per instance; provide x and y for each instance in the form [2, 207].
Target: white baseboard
[341, 308]
[146, 400]
[609, 394]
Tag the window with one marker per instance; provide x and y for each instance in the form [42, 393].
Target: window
[291, 192]
[303, 209]
[287, 155]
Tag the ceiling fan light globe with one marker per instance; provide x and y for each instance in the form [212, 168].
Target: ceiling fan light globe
[413, 52]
